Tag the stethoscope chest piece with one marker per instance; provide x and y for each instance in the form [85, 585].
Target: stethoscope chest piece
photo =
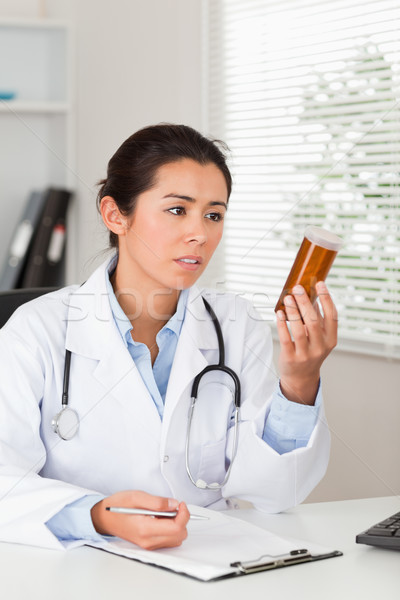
[66, 423]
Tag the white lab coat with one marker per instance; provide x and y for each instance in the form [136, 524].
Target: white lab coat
[122, 443]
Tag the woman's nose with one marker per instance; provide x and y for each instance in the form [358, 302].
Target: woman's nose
[197, 232]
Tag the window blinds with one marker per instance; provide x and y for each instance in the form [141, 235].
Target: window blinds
[306, 93]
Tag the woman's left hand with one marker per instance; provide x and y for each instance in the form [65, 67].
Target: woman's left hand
[306, 345]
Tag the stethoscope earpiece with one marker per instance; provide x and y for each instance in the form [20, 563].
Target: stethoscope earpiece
[203, 485]
[200, 483]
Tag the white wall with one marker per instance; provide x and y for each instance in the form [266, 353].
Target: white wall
[139, 62]
[362, 401]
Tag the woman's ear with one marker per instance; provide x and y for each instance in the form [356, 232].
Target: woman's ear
[113, 219]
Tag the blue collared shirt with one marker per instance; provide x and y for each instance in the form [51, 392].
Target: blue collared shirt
[288, 426]
[155, 377]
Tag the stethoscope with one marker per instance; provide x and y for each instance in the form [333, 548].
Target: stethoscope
[66, 423]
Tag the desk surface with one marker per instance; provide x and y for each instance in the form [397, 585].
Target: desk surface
[85, 573]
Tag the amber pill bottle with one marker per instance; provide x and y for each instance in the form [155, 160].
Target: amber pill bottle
[312, 263]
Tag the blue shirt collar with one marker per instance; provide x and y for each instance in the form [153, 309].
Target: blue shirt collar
[123, 323]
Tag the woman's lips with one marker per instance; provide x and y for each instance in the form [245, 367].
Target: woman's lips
[189, 263]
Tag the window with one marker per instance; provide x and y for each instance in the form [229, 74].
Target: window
[307, 95]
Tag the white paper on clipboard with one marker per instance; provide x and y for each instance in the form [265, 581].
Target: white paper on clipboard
[223, 546]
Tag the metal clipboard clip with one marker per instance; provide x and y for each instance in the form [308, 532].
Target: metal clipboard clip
[284, 560]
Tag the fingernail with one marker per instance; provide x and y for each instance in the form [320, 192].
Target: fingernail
[172, 503]
[281, 315]
[321, 286]
[298, 289]
[288, 300]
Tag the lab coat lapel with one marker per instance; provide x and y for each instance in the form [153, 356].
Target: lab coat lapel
[91, 332]
[197, 335]
[120, 378]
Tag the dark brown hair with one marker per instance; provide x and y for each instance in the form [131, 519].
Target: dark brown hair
[133, 168]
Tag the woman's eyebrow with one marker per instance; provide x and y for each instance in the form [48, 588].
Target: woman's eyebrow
[190, 199]
[180, 197]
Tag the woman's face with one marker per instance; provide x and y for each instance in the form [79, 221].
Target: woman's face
[176, 226]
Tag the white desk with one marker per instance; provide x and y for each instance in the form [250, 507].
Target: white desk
[86, 573]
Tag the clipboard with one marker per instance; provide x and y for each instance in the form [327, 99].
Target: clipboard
[221, 547]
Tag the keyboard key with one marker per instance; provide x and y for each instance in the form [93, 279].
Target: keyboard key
[380, 531]
[387, 522]
[385, 534]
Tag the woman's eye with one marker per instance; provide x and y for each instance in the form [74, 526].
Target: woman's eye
[177, 210]
[216, 216]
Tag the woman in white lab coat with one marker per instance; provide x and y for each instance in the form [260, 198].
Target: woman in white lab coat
[139, 332]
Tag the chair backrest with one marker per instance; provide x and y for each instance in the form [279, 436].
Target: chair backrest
[12, 299]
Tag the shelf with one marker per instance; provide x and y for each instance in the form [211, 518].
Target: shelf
[33, 23]
[37, 129]
[33, 64]
[44, 108]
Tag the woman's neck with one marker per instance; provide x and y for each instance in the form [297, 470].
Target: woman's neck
[146, 306]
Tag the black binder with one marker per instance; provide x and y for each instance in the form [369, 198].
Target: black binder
[21, 242]
[45, 264]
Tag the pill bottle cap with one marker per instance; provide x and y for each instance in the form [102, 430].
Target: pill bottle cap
[323, 237]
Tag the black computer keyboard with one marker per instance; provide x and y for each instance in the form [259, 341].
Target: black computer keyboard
[385, 534]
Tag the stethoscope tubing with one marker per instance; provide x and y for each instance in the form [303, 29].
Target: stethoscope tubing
[66, 422]
[199, 483]
[237, 399]
[67, 370]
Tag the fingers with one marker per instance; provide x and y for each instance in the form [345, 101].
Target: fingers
[299, 313]
[183, 515]
[160, 532]
[319, 315]
[329, 310]
[285, 338]
[139, 499]
[145, 531]
[296, 308]
[299, 308]
[304, 327]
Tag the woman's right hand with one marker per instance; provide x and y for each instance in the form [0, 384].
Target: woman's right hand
[147, 532]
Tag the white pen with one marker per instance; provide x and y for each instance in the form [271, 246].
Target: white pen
[169, 514]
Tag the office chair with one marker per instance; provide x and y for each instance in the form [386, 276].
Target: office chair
[12, 299]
